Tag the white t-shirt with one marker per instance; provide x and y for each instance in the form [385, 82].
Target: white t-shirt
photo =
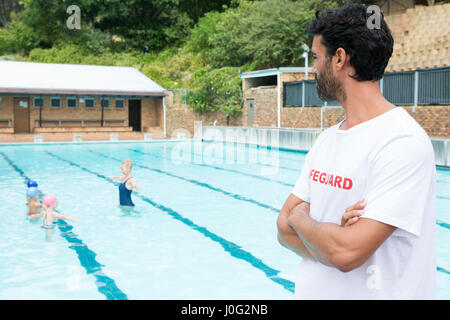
[388, 161]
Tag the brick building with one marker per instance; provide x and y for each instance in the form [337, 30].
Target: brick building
[59, 101]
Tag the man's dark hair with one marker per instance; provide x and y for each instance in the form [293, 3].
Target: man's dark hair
[346, 27]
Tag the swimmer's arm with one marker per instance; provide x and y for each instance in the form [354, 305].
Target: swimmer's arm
[287, 236]
[132, 184]
[37, 215]
[117, 178]
[345, 248]
[60, 216]
[135, 185]
[37, 204]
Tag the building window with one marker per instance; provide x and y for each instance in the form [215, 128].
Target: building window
[38, 102]
[105, 102]
[71, 102]
[55, 102]
[89, 102]
[120, 103]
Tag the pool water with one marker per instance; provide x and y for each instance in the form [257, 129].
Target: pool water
[204, 225]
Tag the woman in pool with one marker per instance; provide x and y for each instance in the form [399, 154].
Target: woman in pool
[128, 183]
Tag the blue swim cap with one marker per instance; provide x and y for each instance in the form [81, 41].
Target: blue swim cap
[32, 192]
[32, 183]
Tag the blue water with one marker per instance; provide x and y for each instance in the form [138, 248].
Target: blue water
[204, 226]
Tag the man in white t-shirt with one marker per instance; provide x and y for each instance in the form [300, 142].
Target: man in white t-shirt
[378, 153]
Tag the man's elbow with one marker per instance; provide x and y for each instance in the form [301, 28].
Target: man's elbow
[280, 239]
[345, 260]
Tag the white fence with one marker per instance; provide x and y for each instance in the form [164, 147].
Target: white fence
[293, 139]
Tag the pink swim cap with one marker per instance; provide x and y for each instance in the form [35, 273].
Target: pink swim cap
[49, 199]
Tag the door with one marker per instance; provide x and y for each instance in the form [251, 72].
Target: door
[134, 114]
[250, 112]
[21, 115]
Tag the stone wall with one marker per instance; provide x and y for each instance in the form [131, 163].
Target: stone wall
[435, 120]
[181, 117]
[266, 102]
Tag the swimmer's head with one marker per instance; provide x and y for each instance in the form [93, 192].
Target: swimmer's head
[50, 200]
[32, 183]
[126, 165]
[32, 192]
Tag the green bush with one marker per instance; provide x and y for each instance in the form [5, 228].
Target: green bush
[216, 89]
[199, 39]
[18, 39]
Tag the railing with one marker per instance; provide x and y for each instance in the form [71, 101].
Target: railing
[9, 121]
[407, 88]
[82, 122]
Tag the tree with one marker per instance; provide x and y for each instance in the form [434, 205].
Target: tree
[198, 8]
[265, 34]
[141, 23]
[6, 7]
[216, 89]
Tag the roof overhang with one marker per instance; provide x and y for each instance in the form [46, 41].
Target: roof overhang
[31, 78]
[46, 92]
[273, 72]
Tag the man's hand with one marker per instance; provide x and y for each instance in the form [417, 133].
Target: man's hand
[353, 213]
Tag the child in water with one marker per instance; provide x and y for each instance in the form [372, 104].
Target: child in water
[128, 183]
[34, 207]
[49, 203]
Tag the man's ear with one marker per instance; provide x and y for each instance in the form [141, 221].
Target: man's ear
[340, 55]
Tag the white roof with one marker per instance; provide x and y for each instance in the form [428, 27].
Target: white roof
[52, 78]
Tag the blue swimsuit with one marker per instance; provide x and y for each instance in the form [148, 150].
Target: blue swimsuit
[125, 195]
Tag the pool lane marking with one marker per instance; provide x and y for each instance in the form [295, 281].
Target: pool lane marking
[443, 224]
[221, 169]
[443, 270]
[233, 249]
[256, 147]
[257, 163]
[105, 285]
[198, 183]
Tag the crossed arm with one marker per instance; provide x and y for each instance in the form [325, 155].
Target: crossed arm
[340, 246]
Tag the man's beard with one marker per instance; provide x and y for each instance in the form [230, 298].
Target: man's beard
[328, 87]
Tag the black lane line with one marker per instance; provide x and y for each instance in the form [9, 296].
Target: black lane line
[105, 285]
[219, 168]
[233, 249]
[263, 147]
[258, 163]
[198, 183]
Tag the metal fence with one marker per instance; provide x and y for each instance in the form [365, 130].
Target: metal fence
[410, 88]
[304, 94]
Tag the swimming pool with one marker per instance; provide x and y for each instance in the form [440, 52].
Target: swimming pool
[204, 226]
